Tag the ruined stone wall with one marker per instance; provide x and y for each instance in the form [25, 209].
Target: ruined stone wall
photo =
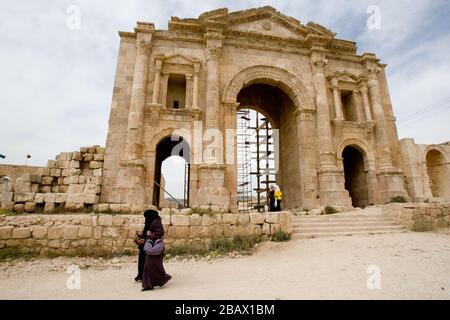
[15, 171]
[115, 233]
[437, 215]
[72, 182]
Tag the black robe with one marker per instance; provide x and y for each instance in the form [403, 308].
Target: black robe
[154, 273]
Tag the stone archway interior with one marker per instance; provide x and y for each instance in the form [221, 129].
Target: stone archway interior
[279, 109]
[355, 177]
[167, 147]
[438, 171]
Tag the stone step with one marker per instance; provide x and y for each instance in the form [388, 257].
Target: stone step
[336, 224]
[350, 229]
[340, 234]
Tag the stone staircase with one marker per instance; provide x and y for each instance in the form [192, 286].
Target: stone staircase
[367, 221]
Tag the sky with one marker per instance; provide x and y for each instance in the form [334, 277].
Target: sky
[56, 79]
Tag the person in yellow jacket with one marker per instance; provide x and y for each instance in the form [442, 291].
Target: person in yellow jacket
[278, 196]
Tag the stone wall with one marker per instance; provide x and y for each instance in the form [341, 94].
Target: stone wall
[72, 182]
[15, 171]
[115, 233]
[437, 215]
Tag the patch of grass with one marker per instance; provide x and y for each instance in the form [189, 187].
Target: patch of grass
[422, 226]
[398, 199]
[237, 243]
[202, 211]
[16, 253]
[8, 212]
[330, 210]
[280, 236]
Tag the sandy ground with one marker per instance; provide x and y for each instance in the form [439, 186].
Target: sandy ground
[412, 265]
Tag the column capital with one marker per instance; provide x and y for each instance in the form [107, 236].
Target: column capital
[334, 82]
[196, 67]
[144, 47]
[213, 53]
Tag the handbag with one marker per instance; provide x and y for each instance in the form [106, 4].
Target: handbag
[153, 248]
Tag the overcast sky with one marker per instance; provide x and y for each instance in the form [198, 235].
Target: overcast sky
[56, 82]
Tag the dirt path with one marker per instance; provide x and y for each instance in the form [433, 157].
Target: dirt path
[412, 265]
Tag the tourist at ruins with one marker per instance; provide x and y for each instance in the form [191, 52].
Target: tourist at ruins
[271, 198]
[140, 240]
[278, 196]
[153, 271]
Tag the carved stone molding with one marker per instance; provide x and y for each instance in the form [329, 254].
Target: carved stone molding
[213, 53]
[318, 65]
[144, 47]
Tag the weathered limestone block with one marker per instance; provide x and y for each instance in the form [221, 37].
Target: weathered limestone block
[96, 164]
[71, 180]
[47, 180]
[217, 218]
[91, 198]
[6, 196]
[46, 189]
[9, 206]
[99, 157]
[54, 244]
[179, 232]
[49, 207]
[19, 207]
[6, 232]
[85, 232]
[65, 156]
[194, 232]
[179, 220]
[274, 228]
[207, 220]
[49, 197]
[76, 188]
[55, 232]
[125, 208]
[55, 172]
[100, 150]
[34, 187]
[14, 243]
[65, 172]
[74, 171]
[28, 177]
[86, 220]
[114, 207]
[63, 164]
[92, 189]
[39, 232]
[98, 232]
[82, 179]
[119, 221]
[103, 207]
[75, 198]
[271, 217]
[137, 208]
[243, 218]
[229, 218]
[266, 228]
[6, 186]
[84, 150]
[94, 180]
[60, 197]
[111, 232]
[256, 218]
[195, 220]
[105, 220]
[71, 232]
[74, 164]
[93, 149]
[87, 157]
[76, 156]
[51, 164]
[55, 189]
[22, 187]
[165, 219]
[30, 206]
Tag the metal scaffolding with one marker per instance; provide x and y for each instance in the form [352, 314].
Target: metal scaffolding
[256, 161]
[244, 180]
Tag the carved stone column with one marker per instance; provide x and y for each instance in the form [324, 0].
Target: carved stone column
[165, 84]
[134, 146]
[337, 99]
[390, 179]
[195, 86]
[230, 142]
[365, 98]
[331, 179]
[188, 102]
[157, 81]
[212, 87]
[358, 106]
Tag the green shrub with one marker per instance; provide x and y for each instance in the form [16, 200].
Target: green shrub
[238, 243]
[330, 210]
[280, 235]
[422, 226]
[202, 211]
[8, 213]
[398, 199]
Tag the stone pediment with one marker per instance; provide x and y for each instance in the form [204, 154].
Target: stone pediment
[179, 59]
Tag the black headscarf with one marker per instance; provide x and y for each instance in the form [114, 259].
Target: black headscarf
[150, 216]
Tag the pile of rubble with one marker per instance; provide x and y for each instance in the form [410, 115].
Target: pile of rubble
[72, 182]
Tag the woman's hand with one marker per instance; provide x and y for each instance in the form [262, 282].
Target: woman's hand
[140, 241]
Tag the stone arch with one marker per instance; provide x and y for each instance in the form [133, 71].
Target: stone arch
[438, 171]
[270, 75]
[361, 146]
[437, 148]
[167, 132]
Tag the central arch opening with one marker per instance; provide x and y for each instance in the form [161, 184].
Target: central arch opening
[272, 114]
[355, 177]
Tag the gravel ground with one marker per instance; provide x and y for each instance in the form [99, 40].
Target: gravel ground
[411, 265]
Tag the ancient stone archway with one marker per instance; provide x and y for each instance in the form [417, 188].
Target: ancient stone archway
[355, 176]
[169, 146]
[438, 170]
[280, 96]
